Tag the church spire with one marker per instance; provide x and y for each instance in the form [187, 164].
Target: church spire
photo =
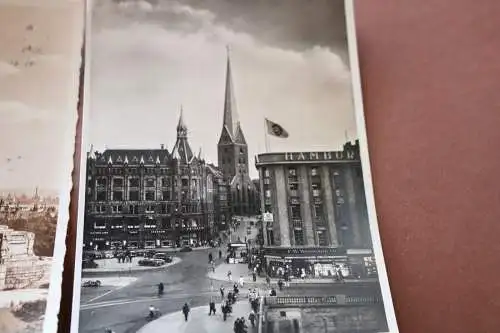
[181, 126]
[230, 112]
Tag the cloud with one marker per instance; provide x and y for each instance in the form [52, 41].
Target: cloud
[7, 69]
[14, 111]
[142, 70]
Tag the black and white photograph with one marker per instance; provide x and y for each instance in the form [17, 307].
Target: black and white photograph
[225, 182]
[39, 69]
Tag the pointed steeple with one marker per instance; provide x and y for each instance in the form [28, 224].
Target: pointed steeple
[181, 126]
[199, 154]
[230, 111]
[182, 151]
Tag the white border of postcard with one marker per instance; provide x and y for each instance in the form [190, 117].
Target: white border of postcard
[365, 161]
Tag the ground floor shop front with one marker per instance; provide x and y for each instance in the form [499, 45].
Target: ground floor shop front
[310, 263]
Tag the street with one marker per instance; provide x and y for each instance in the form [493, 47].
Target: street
[124, 309]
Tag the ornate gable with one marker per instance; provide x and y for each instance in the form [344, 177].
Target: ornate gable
[119, 159]
[135, 159]
[225, 137]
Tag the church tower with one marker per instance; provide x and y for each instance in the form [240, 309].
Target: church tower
[232, 151]
[232, 148]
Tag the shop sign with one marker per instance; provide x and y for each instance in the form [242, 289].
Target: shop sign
[305, 252]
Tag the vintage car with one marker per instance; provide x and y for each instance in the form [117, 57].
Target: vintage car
[163, 256]
[89, 263]
[91, 284]
[151, 262]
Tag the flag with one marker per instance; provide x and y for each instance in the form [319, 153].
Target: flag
[275, 129]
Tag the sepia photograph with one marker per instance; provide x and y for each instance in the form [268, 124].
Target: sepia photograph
[39, 68]
[226, 183]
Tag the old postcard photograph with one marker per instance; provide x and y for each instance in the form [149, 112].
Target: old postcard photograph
[39, 70]
[226, 177]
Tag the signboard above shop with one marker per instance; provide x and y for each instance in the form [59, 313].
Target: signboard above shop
[304, 251]
[308, 157]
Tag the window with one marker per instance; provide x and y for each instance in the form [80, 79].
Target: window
[101, 195]
[116, 208]
[295, 212]
[118, 182]
[322, 240]
[150, 195]
[266, 173]
[163, 208]
[298, 236]
[242, 151]
[292, 172]
[101, 181]
[150, 209]
[117, 195]
[150, 182]
[185, 181]
[165, 195]
[133, 209]
[133, 195]
[165, 224]
[100, 209]
[133, 182]
[165, 182]
[318, 210]
[314, 171]
[268, 193]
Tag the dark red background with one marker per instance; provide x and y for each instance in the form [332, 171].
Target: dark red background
[431, 84]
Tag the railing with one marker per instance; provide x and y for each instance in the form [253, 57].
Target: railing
[339, 300]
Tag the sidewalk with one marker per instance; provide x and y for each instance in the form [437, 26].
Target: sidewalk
[239, 270]
[112, 266]
[199, 321]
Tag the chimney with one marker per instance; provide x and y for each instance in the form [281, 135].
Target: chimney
[162, 146]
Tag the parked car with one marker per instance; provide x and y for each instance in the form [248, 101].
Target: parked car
[89, 263]
[149, 253]
[186, 249]
[163, 256]
[93, 284]
[151, 262]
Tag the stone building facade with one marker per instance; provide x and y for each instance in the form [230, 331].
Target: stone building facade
[232, 151]
[19, 267]
[314, 209]
[335, 314]
[153, 198]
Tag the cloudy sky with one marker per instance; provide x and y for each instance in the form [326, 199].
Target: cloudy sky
[289, 62]
[39, 60]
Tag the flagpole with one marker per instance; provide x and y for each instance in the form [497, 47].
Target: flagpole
[266, 138]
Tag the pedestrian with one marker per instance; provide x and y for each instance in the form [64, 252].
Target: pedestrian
[280, 284]
[222, 292]
[242, 281]
[210, 257]
[268, 280]
[220, 254]
[225, 310]
[185, 311]
[254, 276]
[251, 317]
[273, 292]
[211, 306]
[229, 276]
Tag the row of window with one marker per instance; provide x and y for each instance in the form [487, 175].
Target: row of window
[148, 195]
[148, 182]
[147, 209]
[147, 171]
[162, 224]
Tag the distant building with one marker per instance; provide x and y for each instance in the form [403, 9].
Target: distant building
[152, 198]
[232, 151]
[314, 210]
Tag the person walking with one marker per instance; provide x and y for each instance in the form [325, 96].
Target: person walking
[225, 310]
[220, 254]
[222, 291]
[251, 317]
[211, 306]
[229, 276]
[185, 311]
[280, 284]
[210, 258]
